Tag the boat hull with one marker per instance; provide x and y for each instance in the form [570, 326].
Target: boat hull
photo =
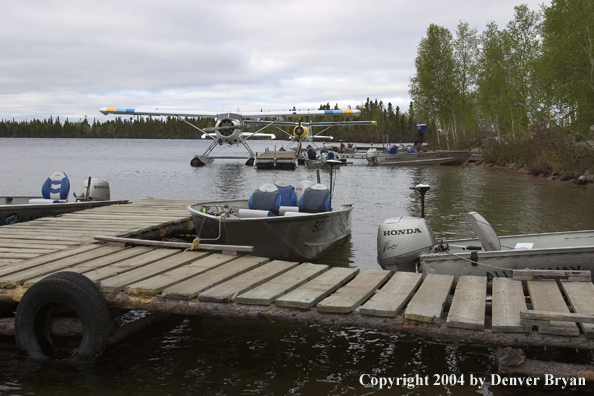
[440, 157]
[294, 238]
[18, 213]
[559, 250]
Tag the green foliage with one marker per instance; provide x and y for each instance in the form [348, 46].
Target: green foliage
[567, 63]
[544, 150]
[509, 85]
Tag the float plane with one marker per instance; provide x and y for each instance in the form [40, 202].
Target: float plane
[229, 126]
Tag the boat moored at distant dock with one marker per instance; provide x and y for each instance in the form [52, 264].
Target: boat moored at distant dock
[402, 157]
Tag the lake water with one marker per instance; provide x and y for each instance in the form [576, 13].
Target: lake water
[202, 356]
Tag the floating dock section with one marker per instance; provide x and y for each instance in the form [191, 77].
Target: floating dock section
[509, 312]
[276, 160]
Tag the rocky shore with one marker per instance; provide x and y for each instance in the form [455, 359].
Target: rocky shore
[586, 178]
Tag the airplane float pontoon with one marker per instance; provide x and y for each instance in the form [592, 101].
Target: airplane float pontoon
[229, 126]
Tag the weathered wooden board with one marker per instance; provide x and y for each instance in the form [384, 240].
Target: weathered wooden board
[17, 255]
[508, 301]
[581, 299]
[91, 264]
[354, 293]
[27, 250]
[6, 273]
[46, 259]
[129, 264]
[391, 298]
[468, 305]
[19, 278]
[190, 288]
[227, 291]
[22, 244]
[71, 240]
[314, 291]
[429, 301]
[156, 284]
[546, 296]
[268, 292]
[119, 282]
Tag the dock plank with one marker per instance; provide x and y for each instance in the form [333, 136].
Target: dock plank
[546, 296]
[268, 292]
[129, 264]
[19, 255]
[156, 284]
[354, 293]
[118, 283]
[581, 298]
[227, 291]
[429, 301]
[19, 278]
[314, 291]
[468, 305]
[47, 258]
[391, 298]
[94, 263]
[508, 301]
[19, 243]
[191, 287]
[27, 250]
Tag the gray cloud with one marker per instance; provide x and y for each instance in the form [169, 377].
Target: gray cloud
[69, 58]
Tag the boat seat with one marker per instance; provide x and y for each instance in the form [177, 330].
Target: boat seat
[484, 231]
[315, 199]
[54, 190]
[287, 192]
[267, 197]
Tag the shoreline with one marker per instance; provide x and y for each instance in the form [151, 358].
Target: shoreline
[582, 180]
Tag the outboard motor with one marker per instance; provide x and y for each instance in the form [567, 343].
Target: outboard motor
[94, 189]
[401, 240]
[301, 186]
[371, 154]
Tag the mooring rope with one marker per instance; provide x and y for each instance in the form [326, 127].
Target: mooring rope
[197, 240]
[493, 266]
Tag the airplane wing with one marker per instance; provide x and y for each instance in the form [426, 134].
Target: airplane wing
[156, 112]
[299, 113]
[246, 135]
[308, 124]
[330, 123]
[250, 134]
[260, 114]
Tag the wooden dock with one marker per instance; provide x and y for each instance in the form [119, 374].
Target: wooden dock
[276, 160]
[205, 283]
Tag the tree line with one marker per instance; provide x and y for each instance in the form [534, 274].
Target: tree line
[530, 83]
[400, 125]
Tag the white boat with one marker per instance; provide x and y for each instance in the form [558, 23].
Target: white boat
[53, 200]
[408, 244]
[276, 222]
[403, 156]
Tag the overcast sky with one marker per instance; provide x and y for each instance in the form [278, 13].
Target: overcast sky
[70, 58]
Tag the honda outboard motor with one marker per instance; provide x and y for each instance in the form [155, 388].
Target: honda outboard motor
[400, 242]
[94, 189]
